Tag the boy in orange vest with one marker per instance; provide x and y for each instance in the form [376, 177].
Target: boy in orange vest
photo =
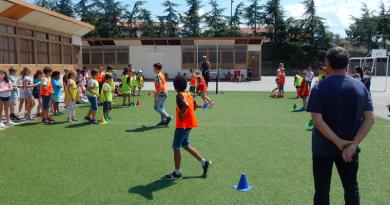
[160, 95]
[185, 121]
[193, 82]
[46, 91]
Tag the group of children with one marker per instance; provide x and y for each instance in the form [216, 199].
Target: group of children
[130, 82]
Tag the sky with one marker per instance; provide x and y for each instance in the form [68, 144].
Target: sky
[337, 13]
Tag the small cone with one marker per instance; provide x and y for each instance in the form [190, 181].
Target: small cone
[149, 94]
[310, 125]
[205, 106]
[103, 121]
[295, 106]
[243, 184]
[138, 104]
[133, 103]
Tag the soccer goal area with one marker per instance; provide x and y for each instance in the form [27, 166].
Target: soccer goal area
[379, 65]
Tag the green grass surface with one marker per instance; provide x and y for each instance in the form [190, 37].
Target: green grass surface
[122, 162]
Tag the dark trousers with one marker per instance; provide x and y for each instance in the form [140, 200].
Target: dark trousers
[322, 171]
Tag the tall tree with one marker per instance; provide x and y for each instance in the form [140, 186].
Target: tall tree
[273, 17]
[49, 4]
[109, 17]
[235, 20]
[253, 13]
[65, 7]
[171, 18]
[310, 18]
[384, 24]
[133, 17]
[147, 28]
[216, 25]
[191, 19]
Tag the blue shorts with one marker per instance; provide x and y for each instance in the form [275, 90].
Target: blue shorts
[181, 138]
[94, 103]
[46, 101]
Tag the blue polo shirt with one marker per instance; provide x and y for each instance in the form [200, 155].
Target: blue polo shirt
[342, 101]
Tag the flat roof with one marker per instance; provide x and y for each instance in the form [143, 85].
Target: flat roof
[30, 14]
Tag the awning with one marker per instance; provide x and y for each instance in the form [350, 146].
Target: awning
[30, 14]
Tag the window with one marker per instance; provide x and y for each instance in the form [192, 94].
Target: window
[86, 60]
[241, 54]
[67, 54]
[25, 32]
[54, 37]
[7, 50]
[55, 50]
[109, 55]
[27, 51]
[66, 40]
[42, 52]
[122, 55]
[76, 55]
[210, 52]
[188, 54]
[7, 29]
[97, 55]
[226, 54]
[41, 35]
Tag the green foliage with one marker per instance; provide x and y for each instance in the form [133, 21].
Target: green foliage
[191, 19]
[49, 4]
[216, 25]
[254, 15]
[171, 19]
[236, 20]
[274, 19]
[65, 7]
[132, 17]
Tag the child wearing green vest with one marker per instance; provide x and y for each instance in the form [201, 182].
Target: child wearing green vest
[140, 81]
[93, 94]
[297, 81]
[133, 82]
[106, 97]
[126, 88]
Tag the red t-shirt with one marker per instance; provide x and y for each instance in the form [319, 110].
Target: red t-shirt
[304, 90]
[282, 78]
[202, 87]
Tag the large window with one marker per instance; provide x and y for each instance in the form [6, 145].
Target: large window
[7, 29]
[42, 52]
[86, 59]
[241, 54]
[226, 53]
[122, 55]
[96, 55]
[109, 55]
[67, 54]
[25, 32]
[7, 50]
[27, 51]
[55, 50]
[76, 54]
[188, 54]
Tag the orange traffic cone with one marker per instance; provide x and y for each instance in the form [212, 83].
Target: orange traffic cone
[149, 94]
[138, 104]
[103, 121]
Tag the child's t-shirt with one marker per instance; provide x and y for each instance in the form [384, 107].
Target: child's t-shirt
[73, 90]
[13, 81]
[133, 81]
[5, 85]
[282, 78]
[106, 93]
[304, 90]
[57, 87]
[125, 85]
[202, 87]
[185, 101]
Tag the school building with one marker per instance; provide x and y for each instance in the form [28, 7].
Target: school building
[34, 37]
[177, 55]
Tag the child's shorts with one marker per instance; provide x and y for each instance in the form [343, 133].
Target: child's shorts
[107, 106]
[281, 87]
[303, 97]
[5, 99]
[56, 98]
[94, 102]
[14, 99]
[46, 102]
[181, 138]
[192, 89]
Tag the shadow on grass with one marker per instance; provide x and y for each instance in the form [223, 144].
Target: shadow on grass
[78, 125]
[144, 128]
[27, 124]
[147, 191]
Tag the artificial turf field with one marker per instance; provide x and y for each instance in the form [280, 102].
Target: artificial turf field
[122, 162]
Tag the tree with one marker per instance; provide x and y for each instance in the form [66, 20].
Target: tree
[109, 15]
[171, 18]
[215, 22]
[274, 19]
[253, 13]
[132, 17]
[147, 27]
[191, 19]
[49, 4]
[384, 24]
[310, 18]
[65, 7]
[235, 20]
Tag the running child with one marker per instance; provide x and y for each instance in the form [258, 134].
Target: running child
[160, 95]
[140, 81]
[304, 91]
[126, 88]
[46, 91]
[57, 87]
[93, 95]
[5, 97]
[106, 97]
[185, 121]
[14, 93]
[71, 90]
[202, 89]
[193, 82]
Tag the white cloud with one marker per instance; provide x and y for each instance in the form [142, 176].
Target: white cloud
[338, 13]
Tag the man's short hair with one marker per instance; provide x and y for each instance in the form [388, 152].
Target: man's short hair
[158, 66]
[338, 58]
[180, 83]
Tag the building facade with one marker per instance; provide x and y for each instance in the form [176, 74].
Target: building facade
[34, 37]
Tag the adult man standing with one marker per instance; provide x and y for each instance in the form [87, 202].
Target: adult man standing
[206, 68]
[342, 112]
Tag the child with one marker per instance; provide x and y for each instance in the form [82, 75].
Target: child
[81, 94]
[304, 90]
[282, 80]
[297, 81]
[93, 95]
[160, 95]
[193, 82]
[140, 81]
[110, 71]
[64, 81]
[57, 87]
[185, 121]
[28, 86]
[46, 91]
[71, 91]
[126, 89]
[133, 82]
[106, 97]
[274, 94]
[14, 93]
[202, 89]
[37, 81]
[5, 97]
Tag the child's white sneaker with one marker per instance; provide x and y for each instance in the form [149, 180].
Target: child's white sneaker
[2, 125]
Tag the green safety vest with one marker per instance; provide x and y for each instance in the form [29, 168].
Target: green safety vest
[95, 88]
[107, 97]
[298, 80]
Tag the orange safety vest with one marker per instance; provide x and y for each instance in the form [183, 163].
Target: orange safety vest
[193, 80]
[189, 120]
[163, 87]
[49, 88]
[100, 78]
